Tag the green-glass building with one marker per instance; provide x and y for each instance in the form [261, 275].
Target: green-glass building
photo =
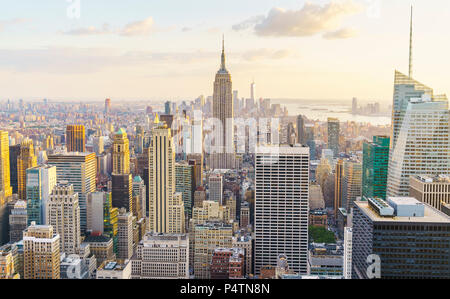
[184, 183]
[111, 215]
[375, 167]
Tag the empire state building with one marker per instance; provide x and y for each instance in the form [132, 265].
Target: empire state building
[223, 150]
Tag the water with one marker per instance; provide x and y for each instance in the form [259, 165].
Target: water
[321, 112]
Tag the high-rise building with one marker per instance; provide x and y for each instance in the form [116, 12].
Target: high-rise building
[434, 191]
[124, 235]
[375, 167]
[41, 252]
[184, 183]
[5, 179]
[411, 240]
[161, 256]
[196, 160]
[216, 188]
[75, 138]
[223, 151]
[7, 265]
[122, 191]
[208, 237]
[139, 191]
[26, 160]
[333, 135]
[301, 134]
[121, 153]
[18, 221]
[347, 269]
[338, 175]
[14, 153]
[40, 181]
[420, 142]
[107, 106]
[166, 209]
[63, 214]
[351, 183]
[281, 206]
[78, 169]
[102, 217]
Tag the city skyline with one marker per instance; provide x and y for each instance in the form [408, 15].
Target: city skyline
[143, 53]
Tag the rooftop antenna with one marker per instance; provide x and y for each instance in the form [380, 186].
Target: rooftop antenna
[411, 45]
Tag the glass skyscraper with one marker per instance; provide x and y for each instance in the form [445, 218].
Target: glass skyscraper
[375, 167]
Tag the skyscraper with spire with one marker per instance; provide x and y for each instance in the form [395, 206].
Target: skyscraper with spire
[223, 151]
[420, 143]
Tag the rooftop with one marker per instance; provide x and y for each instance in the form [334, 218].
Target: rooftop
[431, 215]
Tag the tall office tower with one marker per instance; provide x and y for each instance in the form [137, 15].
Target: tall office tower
[121, 153]
[40, 182]
[208, 237]
[199, 197]
[79, 169]
[375, 167]
[167, 108]
[244, 219]
[41, 252]
[14, 153]
[161, 256]
[166, 209]
[354, 106]
[301, 133]
[434, 191]
[5, 179]
[75, 138]
[184, 177]
[99, 147]
[347, 269]
[18, 221]
[197, 161]
[281, 206]
[333, 135]
[124, 235]
[351, 183]
[216, 188]
[420, 143]
[411, 239]
[63, 214]
[102, 217]
[26, 160]
[222, 154]
[338, 175]
[252, 91]
[122, 191]
[107, 106]
[139, 191]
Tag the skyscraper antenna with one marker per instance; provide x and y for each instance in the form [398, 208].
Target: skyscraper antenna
[223, 52]
[411, 45]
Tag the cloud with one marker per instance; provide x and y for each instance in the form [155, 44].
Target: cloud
[264, 54]
[91, 30]
[65, 60]
[341, 34]
[248, 23]
[15, 21]
[138, 28]
[310, 20]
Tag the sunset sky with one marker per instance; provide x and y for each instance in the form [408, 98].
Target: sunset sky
[153, 49]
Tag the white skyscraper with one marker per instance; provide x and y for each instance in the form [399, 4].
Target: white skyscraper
[63, 214]
[281, 206]
[347, 269]
[420, 138]
[420, 143]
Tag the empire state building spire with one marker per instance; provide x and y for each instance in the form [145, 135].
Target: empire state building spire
[222, 67]
[411, 45]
